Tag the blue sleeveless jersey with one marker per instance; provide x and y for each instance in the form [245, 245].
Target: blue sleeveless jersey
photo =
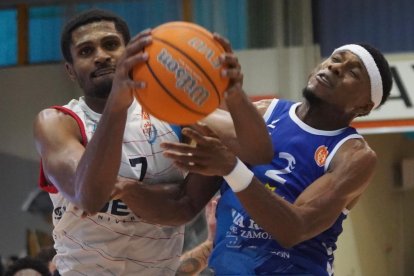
[302, 155]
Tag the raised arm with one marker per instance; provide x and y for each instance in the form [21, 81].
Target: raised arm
[86, 176]
[242, 129]
[247, 137]
[314, 211]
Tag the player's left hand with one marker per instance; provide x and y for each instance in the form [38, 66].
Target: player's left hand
[208, 157]
[231, 66]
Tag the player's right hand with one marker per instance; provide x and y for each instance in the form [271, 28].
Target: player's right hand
[133, 55]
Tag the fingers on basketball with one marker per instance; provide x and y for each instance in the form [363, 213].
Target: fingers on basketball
[183, 73]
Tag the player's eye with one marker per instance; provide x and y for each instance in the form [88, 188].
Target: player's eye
[85, 51]
[354, 74]
[335, 59]
[111, 45]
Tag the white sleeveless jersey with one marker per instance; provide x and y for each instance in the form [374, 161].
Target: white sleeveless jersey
[115, 241]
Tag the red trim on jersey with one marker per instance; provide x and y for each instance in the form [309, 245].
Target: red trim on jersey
[43, 183]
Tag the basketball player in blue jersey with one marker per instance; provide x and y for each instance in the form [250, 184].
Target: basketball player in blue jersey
[102, 164]
[284, 218]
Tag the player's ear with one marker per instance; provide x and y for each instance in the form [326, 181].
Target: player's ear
[70, 71]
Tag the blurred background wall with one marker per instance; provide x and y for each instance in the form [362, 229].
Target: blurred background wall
[278, 43]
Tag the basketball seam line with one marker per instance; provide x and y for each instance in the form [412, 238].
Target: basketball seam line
[171, 94]
[195, 63]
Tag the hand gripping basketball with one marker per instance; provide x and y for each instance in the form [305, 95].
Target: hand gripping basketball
[182, 73]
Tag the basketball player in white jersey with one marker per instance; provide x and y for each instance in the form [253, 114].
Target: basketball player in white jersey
[101, 156]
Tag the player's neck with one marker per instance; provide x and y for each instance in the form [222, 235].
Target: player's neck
[322, 117]
[96, 104]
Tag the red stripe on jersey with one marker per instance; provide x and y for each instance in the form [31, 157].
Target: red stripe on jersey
[43, 183]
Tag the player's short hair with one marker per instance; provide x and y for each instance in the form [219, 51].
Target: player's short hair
[84, 18]
[383, 68]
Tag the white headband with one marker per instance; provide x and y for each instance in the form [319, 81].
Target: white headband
[372, 68]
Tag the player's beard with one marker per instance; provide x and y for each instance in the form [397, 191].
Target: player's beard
[103, 88]
[98, 88]
[310, 96]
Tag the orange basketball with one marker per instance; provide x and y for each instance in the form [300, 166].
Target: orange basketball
[182, 74]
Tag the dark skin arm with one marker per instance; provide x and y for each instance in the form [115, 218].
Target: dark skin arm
[241, 128]
[314, 211]
[169, 204]
[177, 204]
[255, 149]
[318, 207]
[86, 176]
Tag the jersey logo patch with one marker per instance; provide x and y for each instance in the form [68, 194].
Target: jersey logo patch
[321, 154]
[148, 128]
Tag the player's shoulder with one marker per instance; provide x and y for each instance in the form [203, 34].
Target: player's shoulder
[352, 168]
[356, 151]
[359, 144]
[54, 120]
[51, 115]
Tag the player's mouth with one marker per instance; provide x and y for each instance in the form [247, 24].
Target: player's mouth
[324, 80]
[102, 72]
